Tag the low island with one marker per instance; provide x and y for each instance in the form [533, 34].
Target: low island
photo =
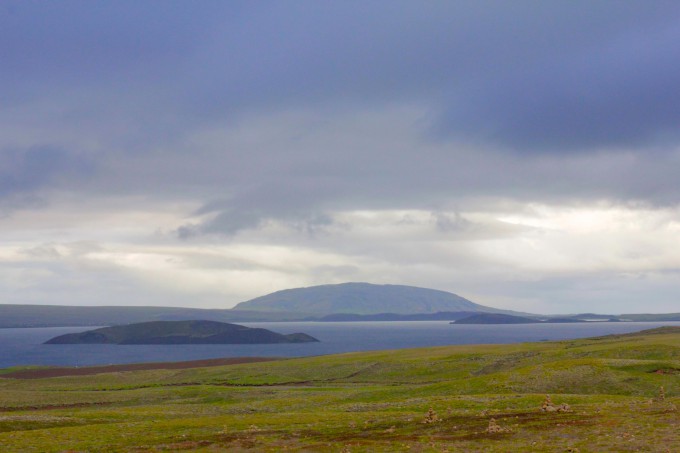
[495, 318]
[498, 318]
[180, 332]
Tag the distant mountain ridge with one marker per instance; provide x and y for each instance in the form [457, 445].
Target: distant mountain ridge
[342, 302]
[364, 299]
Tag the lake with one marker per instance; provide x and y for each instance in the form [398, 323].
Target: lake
[24, 346]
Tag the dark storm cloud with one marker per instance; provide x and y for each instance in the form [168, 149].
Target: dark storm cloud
[561, 75]
[292, 201]
[539, 76]
[25, 170]
[132, 84]
[619, 94]
[48, 46]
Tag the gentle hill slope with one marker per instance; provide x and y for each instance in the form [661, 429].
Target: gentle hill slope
[364, 299]
[180, 332]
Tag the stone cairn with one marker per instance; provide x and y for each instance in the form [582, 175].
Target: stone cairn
[495, 428]
[431, 417]
[549, 406]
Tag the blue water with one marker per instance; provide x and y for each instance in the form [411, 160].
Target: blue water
[23, 346]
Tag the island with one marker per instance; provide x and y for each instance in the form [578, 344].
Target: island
[498, 318]
[495, 318]
[180, 332]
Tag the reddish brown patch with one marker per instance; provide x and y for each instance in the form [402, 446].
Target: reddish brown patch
[187, 445]
[87, 371]
[51, 407]
[667, 371]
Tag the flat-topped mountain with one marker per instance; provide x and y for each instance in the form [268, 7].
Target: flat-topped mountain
[363, 299]
[180, 332]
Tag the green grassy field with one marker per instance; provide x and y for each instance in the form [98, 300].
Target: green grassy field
[483, 398]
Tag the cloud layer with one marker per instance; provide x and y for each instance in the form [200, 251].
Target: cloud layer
[213, 153]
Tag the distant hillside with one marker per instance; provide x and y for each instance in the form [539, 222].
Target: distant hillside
[439, 316]
[64, 315]
[642, 317]
[343, 302]
[363, 299]
[180, 332]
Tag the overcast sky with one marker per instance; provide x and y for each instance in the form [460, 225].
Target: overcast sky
[522, 154]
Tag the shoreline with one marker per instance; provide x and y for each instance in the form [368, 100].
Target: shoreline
[51, 372]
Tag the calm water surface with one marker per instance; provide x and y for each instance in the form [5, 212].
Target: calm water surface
[24, 346]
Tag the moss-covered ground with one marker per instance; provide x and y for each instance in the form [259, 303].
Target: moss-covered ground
[371, 402]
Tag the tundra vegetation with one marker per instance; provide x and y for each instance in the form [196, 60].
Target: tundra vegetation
[614, 393]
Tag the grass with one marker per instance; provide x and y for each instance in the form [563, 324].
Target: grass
[373, 401]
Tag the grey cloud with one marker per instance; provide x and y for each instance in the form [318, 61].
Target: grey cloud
[592, 292]
[77, 42]
[295, 113]
[24, 170]
[75, 283]
[340, 274]
[188, 231]
[43, 251]
[433, 182]
[231, 221]
[140, 81]
[542, 76]
[12, 202]
[446, 222]
[296, 201]
[66, 251]
[620, 94]
[228, 222]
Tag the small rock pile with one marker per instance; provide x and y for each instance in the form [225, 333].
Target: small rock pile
[431, 417]
[495, 428]
[548, 406]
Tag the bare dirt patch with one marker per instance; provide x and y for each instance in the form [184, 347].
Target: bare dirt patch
[87, 371]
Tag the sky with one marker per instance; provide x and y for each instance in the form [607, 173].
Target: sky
[524, 155]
